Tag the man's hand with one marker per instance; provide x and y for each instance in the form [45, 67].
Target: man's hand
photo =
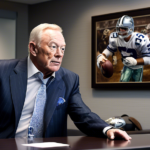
[100, 59]
[116, 133]
[129, 61]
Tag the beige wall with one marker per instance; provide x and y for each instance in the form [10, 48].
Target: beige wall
[21, 26]
[75, 19]
[7, 38]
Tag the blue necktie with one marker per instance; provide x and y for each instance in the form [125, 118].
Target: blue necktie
[36, 122]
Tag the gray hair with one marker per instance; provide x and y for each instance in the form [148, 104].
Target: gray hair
[36, 33]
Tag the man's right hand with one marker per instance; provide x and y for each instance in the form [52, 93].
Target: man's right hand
[117, 133]
[100, 59]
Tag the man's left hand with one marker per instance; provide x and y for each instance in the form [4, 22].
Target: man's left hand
[129, 61]
[116, 133]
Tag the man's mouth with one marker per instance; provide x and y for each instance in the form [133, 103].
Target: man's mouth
[55, 62]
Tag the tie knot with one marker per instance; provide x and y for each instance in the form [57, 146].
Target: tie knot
[40, 75]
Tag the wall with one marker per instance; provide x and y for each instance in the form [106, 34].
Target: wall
[7, 38]
[21, 26]
[75, 19]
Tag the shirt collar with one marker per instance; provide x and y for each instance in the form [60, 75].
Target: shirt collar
[33, 70]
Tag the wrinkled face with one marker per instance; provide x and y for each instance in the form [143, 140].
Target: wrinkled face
[50, 52]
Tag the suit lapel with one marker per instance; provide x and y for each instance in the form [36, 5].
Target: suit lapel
[54, 91]
[18, 85]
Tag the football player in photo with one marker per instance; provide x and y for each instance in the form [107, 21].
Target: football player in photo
[133, 46]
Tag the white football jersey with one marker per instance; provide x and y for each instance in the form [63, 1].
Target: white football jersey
[137, 47]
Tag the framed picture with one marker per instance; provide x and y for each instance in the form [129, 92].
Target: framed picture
[102, 27]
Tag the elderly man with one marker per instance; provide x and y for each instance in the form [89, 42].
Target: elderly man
[37, 94]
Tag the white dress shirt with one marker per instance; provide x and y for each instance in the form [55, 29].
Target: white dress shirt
[33, 86]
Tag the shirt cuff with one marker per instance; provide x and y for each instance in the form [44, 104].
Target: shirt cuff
[106, 129]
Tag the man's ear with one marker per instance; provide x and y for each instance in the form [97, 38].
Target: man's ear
[33, 48]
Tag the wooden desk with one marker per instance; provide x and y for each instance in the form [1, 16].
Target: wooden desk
[80, 143]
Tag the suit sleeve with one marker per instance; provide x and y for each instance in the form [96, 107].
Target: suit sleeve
[85, 120]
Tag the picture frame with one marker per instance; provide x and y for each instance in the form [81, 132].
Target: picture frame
[108, 21]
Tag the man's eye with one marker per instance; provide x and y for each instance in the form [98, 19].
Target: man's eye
[63, 49]
[53, 46]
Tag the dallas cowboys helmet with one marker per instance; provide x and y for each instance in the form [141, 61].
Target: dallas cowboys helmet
[127, 23]
[116, 122]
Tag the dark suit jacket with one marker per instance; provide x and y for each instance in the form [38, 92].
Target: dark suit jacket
[13, 85]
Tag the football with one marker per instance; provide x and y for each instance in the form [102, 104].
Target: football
[107, 69]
